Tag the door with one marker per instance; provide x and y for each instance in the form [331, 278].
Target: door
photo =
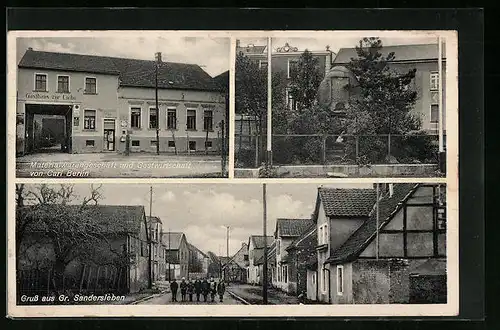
[109, 134]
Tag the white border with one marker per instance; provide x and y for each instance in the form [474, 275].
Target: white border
[448, 309]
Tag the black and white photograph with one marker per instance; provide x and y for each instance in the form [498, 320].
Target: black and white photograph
[97, 105]
[236, 244]
[343, 105]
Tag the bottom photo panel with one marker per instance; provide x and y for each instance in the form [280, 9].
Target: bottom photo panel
[230, 244]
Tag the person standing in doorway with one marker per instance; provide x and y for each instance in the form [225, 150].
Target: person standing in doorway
[173, 289]
[221, 288]
[183, 287]
[197, 288]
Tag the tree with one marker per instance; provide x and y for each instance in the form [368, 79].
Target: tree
[305, 81]
[383, 100]
[50, 214]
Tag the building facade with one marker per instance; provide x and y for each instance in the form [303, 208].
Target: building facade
[198, 262]
[235, 270]
[108, 104]
[176, 250]
[256, 245]
[353, 270]
[423, 58]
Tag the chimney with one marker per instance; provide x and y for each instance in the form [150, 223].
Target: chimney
[30, 48]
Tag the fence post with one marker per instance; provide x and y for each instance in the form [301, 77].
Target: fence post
[323, 147]
[357, 147]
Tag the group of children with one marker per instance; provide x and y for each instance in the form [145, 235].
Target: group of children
[199, 288]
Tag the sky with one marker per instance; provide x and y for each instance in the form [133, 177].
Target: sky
[335, 43]
[202, 211]
[212, 54]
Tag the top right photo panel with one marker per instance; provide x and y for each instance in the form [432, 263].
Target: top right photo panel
[342, 105]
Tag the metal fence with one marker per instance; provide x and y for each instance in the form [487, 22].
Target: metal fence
[315, 149]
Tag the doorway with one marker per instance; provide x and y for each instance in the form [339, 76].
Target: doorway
[48, 128]
[109, 135]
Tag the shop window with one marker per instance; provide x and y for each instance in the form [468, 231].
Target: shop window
[135, 117]
[90, 85]
[89, 119]
[192, 145]
[191, 120]
[89, 143]
[153, 118]
[208, 120]
[208, 144]
[171, 144]
[40, 82]
[136, 143]
[63, 84]
[171, 118]
[340, 280]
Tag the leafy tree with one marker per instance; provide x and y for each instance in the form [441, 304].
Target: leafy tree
[305, 81]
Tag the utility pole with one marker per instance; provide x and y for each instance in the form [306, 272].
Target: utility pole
[269, 104]
[264, 271]
[157, 63]
[150, 280]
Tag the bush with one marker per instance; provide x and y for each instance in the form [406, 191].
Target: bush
[245, 157]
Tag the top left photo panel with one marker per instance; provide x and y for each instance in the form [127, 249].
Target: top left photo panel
[120, 105]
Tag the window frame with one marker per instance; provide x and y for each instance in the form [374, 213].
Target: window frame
[430, 113]
[90, 145]
[46, 82]
[187, 119]
[174, 111]
[131, 110]
[85, 85]
[132, 143]
[57, 84]
[263, 61]
[211, 129]
[149, 118]
[288, 66]
[84, 121]
[436, 75]
[189, 145]
[340, 280]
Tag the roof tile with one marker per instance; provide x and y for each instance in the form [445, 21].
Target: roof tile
[347, 202]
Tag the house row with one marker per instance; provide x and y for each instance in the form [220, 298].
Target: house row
[360, 249]
[128, 248]
[109, 104]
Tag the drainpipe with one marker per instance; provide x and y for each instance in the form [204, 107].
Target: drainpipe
[329, 281]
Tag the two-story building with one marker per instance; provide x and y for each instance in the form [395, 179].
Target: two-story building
[176, 255]
[118, 262]
[100, 101]
[256, 244]
[380, 250]
[287, 230]
[423, 58]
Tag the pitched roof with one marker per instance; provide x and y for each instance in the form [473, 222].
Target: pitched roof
[107, 218]
[244, 247]
[153, 219]
[347, 202]
[271, 254]
[388, 206]
[259, 241]
[195, 249]
[222, 80]
[292, 227]
[307, 236]
[401, 53]
[172, 240]
[132, 72]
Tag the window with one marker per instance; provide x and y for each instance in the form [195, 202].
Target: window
[143, 252]
[263, 64]
[325, 234]
[40, 82]
[208, 120]
[340, 280]
[135, 117]
[63, 84]
[292, 68]
[153, 117]
[171, 144]
[320, 237]
[278, 246]
[313, 280]
[245, 257]
[285, 274]
[191, 120]
[171, 118]
[89, 143]
[136, 143]
[89, 119]
[434, 81]
[324, 280]
[434, 113]
[153, 143]
[290, 102]
[90, 85]
[208, 144]
[192, 145]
